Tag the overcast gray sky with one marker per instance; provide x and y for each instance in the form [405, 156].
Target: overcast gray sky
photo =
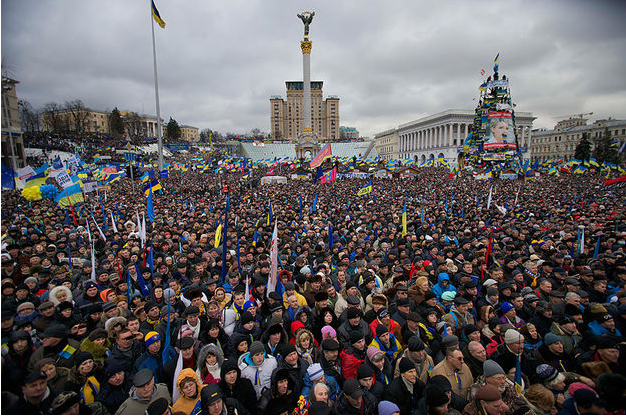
[389, 61]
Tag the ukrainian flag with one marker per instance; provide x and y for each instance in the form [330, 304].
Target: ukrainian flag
[404, 232]
[152, 184]
[70, 196]
[365, 190]
[157, 16]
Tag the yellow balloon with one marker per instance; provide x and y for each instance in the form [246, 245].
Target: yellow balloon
[32, 193]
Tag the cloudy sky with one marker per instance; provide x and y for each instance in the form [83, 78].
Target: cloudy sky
[389, 61]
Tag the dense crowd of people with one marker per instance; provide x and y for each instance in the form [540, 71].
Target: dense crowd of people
[514, 304]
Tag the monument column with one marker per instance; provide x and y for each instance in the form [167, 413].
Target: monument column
[306, 46]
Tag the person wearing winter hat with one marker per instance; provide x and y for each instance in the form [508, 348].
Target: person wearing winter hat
[365, 376]
[354, 355]
[453, 367]
[144, 391]
[436, 400]
[407, 389]
[98, 344]
[85, 377]
[152, 358]
[487, 401]
[56, 344]
[354, 400]
[584, 401]
[114, 388]
[257, 366]
[68, 402]
[509, 315]
[387, 408]
[416, 352]
[552, 352]
[512, 350]
[494, 375]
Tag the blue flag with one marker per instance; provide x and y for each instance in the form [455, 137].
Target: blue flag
[319, 174]
[224, 247]
[129, 284]
[150, 260]
[300, 206]
[142, 284]
[596, 252]
[150, 206]
[313, 208]
[238, 251]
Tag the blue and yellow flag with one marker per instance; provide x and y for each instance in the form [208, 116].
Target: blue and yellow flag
[218, 236]
[70, 196]
[365, 190]
[157, 16]
[153, 185]
[404, 232]
[270, 214]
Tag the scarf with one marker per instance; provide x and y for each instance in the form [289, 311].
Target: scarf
[153, 323]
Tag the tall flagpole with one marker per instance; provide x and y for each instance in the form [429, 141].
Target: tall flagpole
[156, 93]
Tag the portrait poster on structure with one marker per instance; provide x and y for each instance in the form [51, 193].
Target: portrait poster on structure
[499, 139]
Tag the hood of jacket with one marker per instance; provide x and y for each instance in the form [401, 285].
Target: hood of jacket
[213, 349]
[188, 373]
[53, 296]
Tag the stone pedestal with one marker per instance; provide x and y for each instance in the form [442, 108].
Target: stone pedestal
[307, 140]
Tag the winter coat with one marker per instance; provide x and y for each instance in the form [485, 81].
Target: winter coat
[260, 376]
[570, 341]
[392, 351]
[506, 359]
[99, 352]
[343, 407]
[112, 397]
[23, 407]
[208, 376]
[334, 390]
[14, 364]
[54, 294]
[88, 386]
[152, 362]
[129, 357]
[138, 406]
[63, 354]
[269, 397]
[350, 361]
[296, 373]
[398, 393]
[187, 405]
[242, 390]
[422, 371]
[343, 333]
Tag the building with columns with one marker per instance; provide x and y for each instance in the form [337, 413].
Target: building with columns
[442, 135]
[386, 144]
[189, 133]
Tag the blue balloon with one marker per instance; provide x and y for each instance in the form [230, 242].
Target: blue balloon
[48, 191]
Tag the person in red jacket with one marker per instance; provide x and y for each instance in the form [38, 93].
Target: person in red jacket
[385, 319]
[353, 356]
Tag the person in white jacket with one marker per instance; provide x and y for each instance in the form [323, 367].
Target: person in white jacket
[257, 366]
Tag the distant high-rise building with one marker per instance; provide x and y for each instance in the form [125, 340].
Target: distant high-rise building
[287, 117]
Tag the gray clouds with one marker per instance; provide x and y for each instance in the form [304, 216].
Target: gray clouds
[389, 61]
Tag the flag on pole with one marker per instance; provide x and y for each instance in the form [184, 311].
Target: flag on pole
[271, 282]
[489, 247]
[313, 208]
[218, 236]
[518, 374]
[142, 283]
[225, 247]
[270, 213]
[104, 217]
[157, 16]
[324, 154]
[150, 206]
[300, 207]
[330, 235]
[489, 198]
[113, 223]
[596, 252]
[365, 190]
[404, 232]
[93, 260]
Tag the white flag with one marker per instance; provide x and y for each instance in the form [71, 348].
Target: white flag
[93, 262]
[271, 283]
[179, 367]
[113, 221]
[489, 199]
[99, 230]
[582, 241]
[143, 230]
[88, 231]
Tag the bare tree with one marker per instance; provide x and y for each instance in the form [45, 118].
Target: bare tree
[52, 118]
[134, 126]
[78, 115]
[29, 117]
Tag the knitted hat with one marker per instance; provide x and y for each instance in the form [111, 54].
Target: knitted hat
[372, 351]
[112, 368]
[287, 350]
[55, 330]
[353, 313]
[415, 344]
[328, 332]
[355, 336]
[551, 338]
[387, 408]
[151, 337]
[546, 373]
[381, 329]
[256, 347]
[448, 295]
[246, 317]
[406, 365]
[601, 319]
[513, 336]
[506, 307]
[435, 396]
[330, 344]
[158, 407]
[491, 367]
[364, 371]
[314, 371]
[82, 357]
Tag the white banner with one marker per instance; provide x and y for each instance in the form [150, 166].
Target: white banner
[64, 180]
[25, 173]
[91, 186]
